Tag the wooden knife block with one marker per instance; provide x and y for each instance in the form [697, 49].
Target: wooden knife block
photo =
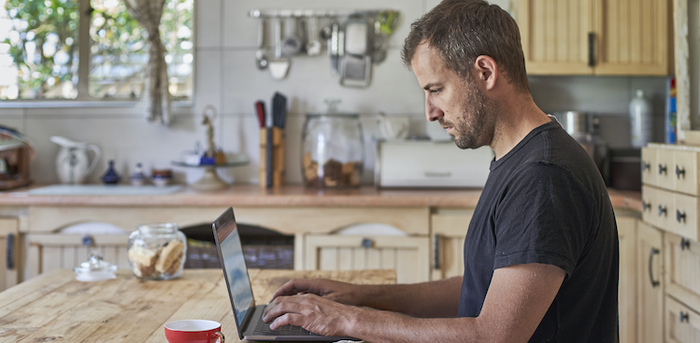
[277, 157]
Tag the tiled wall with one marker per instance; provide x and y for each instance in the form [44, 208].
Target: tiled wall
[226, 77]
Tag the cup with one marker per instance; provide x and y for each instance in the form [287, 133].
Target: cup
[193, 331]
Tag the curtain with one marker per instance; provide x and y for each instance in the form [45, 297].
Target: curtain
[155, 98]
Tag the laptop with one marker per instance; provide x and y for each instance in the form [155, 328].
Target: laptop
[247, 315]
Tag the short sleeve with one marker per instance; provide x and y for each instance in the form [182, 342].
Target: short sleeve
[546, 216]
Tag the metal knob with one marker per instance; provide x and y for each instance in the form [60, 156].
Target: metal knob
[646, 205]
[685, 244]
[680, 172]
[367, 243]
[662, 210]
[684, 317]
[662, 169]
[680, 216]
[646, 166]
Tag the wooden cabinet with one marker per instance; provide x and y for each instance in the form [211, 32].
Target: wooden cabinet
[649, 283]
[682, 323]
[596, 37]
[9, 253]
[683, 270]
[406, 255]
[449, 229]
[627, 231]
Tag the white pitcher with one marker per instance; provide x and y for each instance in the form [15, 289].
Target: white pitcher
[72, 161]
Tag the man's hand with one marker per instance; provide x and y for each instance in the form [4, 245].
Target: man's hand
[313, 313]
[344, 293]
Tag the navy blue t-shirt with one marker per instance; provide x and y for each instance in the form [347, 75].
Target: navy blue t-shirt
[545, 202]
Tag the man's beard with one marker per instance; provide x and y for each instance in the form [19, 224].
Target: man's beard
[481, 116]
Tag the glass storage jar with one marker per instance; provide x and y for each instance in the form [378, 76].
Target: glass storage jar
[333, 150]
[157, 251]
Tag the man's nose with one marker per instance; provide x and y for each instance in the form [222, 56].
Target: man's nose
[432, 112]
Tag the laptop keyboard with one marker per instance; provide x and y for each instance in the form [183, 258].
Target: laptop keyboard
[288, 330]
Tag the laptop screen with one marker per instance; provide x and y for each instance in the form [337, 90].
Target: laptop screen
[233, 263]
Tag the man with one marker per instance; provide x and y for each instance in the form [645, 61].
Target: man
[541, 253]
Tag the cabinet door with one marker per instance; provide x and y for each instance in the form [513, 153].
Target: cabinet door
[555, 36]
[407, 255]
[9, 244]
[648, 166]
[627, 229]
[685, 171]
[682, 262]
[63, 251]
[650, 285]
[449, 230]
[682, 323]
[632, 37]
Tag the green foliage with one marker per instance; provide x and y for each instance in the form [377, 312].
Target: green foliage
[42, 21]
[116, 39]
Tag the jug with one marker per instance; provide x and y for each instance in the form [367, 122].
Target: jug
[72, 161]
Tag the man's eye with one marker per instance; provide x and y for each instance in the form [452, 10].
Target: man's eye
[435, 91]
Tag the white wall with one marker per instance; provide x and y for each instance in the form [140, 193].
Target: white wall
[227, 78]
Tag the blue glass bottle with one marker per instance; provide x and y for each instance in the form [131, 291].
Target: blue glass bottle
[111, 177]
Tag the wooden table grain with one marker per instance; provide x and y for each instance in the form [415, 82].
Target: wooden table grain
[56, 307]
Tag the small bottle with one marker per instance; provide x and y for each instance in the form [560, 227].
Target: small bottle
[640, 120]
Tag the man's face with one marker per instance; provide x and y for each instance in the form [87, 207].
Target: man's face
[455, 102]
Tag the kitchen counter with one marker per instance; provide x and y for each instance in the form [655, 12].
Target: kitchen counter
[287, 196]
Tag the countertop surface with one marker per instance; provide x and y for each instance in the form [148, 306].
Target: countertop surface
[286, 196]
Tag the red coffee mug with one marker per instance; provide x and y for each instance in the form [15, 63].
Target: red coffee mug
[194, 331]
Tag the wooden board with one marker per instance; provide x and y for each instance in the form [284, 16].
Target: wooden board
[55, 306]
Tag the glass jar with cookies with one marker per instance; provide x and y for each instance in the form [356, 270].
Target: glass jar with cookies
[157, 251]
[332, 149]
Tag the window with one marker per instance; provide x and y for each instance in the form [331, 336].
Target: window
[41, 46]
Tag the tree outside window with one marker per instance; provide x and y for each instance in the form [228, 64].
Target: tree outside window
[40, 47]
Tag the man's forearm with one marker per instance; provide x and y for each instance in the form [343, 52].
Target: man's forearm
[433, 299]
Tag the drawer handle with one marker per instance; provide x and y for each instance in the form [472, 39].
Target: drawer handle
[684, 317]
[436, 248]
[367, 243]
[680, 216]
[685, 244]
[646, 166]
[652, 252]
[680, 172]
[662, 169]
[88, 241]
[646, 205]
[662, 210]
[10, 252]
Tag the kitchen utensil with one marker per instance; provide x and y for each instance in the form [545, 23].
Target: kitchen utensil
[16, 154]
[260, 110]
[334, 46]
[356, 63]
[280, 64]
[279, 108]
[313, 46]
[260, 57]
[292, 43]
[383, 27]
[72, 164]
[269, 167]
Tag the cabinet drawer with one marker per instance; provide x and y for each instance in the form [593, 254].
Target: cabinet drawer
[682, 263]
[682, 323]
[649, 205]
[685, 216]
[664, 209]
[685, 171]
[649, 166]
[665, 177]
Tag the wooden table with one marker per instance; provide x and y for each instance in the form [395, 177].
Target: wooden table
[55, 306]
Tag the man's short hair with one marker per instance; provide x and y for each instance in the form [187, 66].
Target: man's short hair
[462, 30]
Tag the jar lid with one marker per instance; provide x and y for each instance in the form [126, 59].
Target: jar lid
[95, 269]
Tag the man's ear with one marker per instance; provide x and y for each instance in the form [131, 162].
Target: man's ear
[486, 71]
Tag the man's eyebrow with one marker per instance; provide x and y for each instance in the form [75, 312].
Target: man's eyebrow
[431, 85]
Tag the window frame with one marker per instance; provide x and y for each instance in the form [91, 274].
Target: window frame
[84, 99]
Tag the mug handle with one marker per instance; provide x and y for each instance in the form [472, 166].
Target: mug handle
[98, 154]
[221, 336]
